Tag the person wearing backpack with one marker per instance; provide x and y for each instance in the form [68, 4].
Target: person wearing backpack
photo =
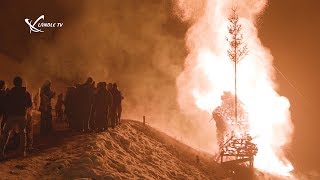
[18, 102]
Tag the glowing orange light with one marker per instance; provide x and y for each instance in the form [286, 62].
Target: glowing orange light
[209, 72]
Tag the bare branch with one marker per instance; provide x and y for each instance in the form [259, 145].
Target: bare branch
[238, 49]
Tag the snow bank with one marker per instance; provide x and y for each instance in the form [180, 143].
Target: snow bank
[131, 151]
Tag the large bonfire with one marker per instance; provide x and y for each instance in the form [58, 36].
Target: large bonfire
[209, 73]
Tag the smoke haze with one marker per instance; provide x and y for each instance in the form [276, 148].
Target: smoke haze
[141, 45]
[138, 45]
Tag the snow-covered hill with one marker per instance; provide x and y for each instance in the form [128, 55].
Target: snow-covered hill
[131, 151]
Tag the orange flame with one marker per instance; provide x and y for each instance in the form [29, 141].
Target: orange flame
[209, 72]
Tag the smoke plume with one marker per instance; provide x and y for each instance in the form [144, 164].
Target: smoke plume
[208, 73]
[138, 44]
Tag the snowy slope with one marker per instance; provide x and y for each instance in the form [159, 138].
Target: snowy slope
[131, 151]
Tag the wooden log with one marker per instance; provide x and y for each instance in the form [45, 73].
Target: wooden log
[237, 161]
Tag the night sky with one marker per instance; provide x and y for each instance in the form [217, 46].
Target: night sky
[290, 28]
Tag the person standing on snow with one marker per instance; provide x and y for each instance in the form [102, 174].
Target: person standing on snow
[102, 104]
[85, 93]
[3, 115]
[46, 94]
[59, 108]
[117, 101]
[18, 102]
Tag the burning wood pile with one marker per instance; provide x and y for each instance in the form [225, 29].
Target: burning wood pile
[226, 55]
[236, 144]
[231, 116]
[239, 150]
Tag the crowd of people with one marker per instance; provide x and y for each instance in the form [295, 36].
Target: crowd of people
[90, 107]
[87, 107]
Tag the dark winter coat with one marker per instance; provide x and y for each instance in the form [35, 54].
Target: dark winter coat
[102, 104]
[18, 100]
[2, 102]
